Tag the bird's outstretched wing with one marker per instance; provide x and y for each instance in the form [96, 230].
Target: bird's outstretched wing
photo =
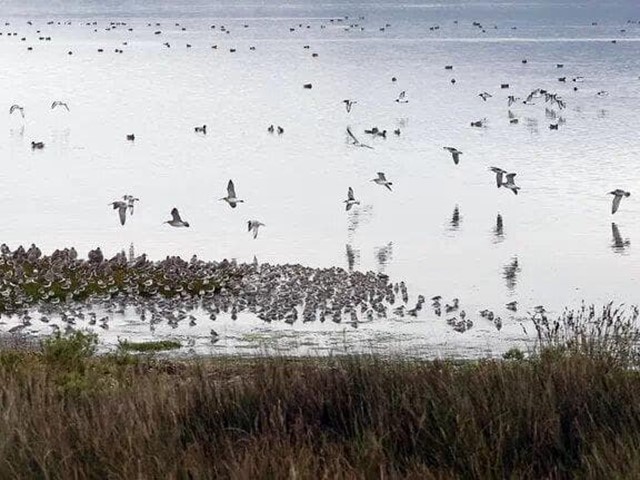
[382, 176]
[58, 103]
[122, 213]
[231, 190]
[176, 215]
[350, 194]
[16, 107]
[616, 203]
[353, 137]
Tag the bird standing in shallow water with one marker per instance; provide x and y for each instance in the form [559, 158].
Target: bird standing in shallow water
[617, 197]
[176, 221]
[382, 180]
[231, 197]
[350, 201]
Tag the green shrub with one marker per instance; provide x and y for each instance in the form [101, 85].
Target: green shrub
[513, 354]
[70, 350]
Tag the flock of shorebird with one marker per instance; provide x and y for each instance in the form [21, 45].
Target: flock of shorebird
[503, 178]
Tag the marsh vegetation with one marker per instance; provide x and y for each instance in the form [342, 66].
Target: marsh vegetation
[567, 409]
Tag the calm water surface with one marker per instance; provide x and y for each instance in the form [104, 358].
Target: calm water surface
[437, 230]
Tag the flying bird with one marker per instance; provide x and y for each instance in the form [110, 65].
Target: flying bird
[350, 201]
[231, 197]
[130, 199]
[355, 141]
[16, 107]
[499, 173]
[617, 197]
[455, 154]
[122, 210]
[58, 103]
[485, 95]
[253, 226]
[382, 180]
[510, 184]
[176, 221]
[402, 98]
[534, 94]
[348, 104]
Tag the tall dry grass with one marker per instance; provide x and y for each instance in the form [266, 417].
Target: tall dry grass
[562, 413]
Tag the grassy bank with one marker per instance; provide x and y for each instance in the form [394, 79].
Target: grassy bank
[69, 414]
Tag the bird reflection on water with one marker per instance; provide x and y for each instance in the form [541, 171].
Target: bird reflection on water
[456, 219]
[498, 230]
[618, 244]
[510, 273]
[384, 255]
[353, 257]
[358, 217]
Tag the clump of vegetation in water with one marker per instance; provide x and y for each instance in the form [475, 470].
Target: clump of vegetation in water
[144, 347]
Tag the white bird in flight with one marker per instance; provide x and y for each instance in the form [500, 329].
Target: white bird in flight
[402, 98]
[16, 107]
[253, 226]
[617, 197]
[58, 103]
[510, 184]
[381, 179]
[130, 199]
[176, 221]
[354, 141]
[231, 197]
[351, 200]
[455, 154]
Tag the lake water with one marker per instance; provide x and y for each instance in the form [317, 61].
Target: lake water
[436, 230]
